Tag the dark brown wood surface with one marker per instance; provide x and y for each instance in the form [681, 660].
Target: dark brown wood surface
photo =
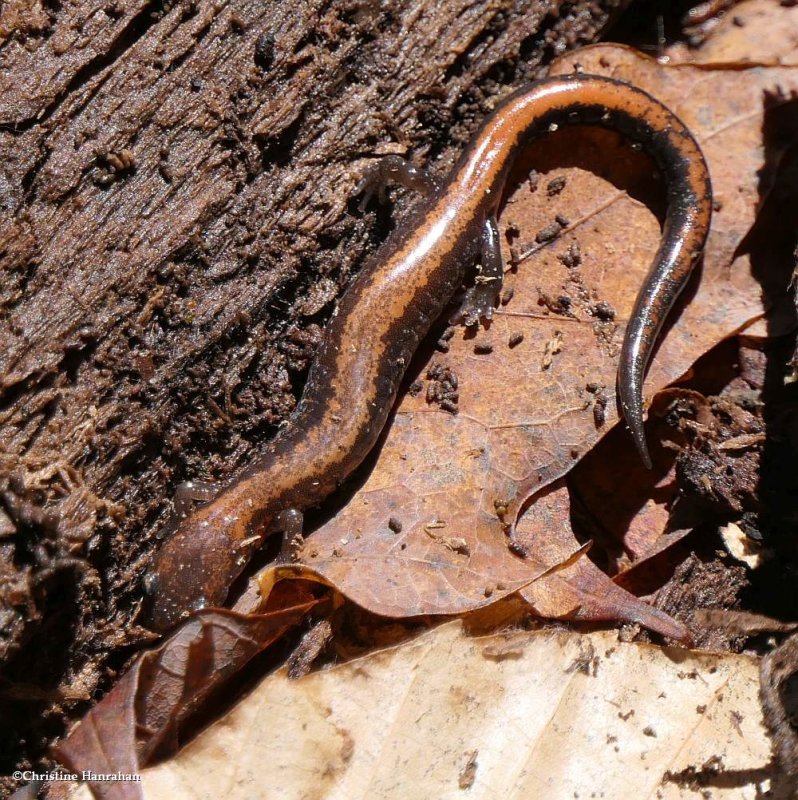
[176, 184]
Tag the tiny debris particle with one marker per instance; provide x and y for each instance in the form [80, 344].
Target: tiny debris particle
[572, 257]
[600, 410]
[517, 548]
[604, 311]
[469, 772]
[553, 346]
[443, 387]
[121, 161]
[507, 295]
[628, 632]
[547, 234]
[415, 388]
[395, 525]
[555, 186]
[309, 649]
[561, 305]
[649, 731]
[515, 340]
[456, 545]
[736, 719]
[506, 648]
[483, 348]
[533, 180]
[743, 441]
[264, 51]
[501, 507]
[562, 220]
[443, 343]
[113, 166]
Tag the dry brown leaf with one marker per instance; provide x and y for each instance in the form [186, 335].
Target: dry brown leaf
[627, 518]
[547, 714]
[581, 591]
[140, 718]
[521, 426]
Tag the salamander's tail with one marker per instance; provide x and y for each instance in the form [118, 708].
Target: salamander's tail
[682, 241]
[631, 371]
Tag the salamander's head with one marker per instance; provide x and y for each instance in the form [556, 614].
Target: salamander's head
[194, 568]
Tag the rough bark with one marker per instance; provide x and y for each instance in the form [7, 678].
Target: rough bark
[176, 225]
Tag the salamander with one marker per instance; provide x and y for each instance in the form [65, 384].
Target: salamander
[394, 300]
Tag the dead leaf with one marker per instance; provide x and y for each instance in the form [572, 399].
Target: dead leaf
[567, 715]
[139, 720]
[582, 591]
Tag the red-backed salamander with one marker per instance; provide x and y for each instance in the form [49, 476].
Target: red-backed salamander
[391, 305]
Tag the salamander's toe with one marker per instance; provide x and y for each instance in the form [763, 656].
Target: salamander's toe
[477, 304]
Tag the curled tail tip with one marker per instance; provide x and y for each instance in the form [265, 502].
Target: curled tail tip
[642, 449]
[630, 380]
[634, 419]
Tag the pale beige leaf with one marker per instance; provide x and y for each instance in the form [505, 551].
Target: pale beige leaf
[547, 714]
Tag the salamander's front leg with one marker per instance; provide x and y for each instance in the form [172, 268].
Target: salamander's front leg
[480, 299]
[392, 170]
[190, 492]
[289, 522]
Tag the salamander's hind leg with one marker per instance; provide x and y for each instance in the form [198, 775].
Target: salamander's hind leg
[289, 522]
[480, 299]
[392, 170]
